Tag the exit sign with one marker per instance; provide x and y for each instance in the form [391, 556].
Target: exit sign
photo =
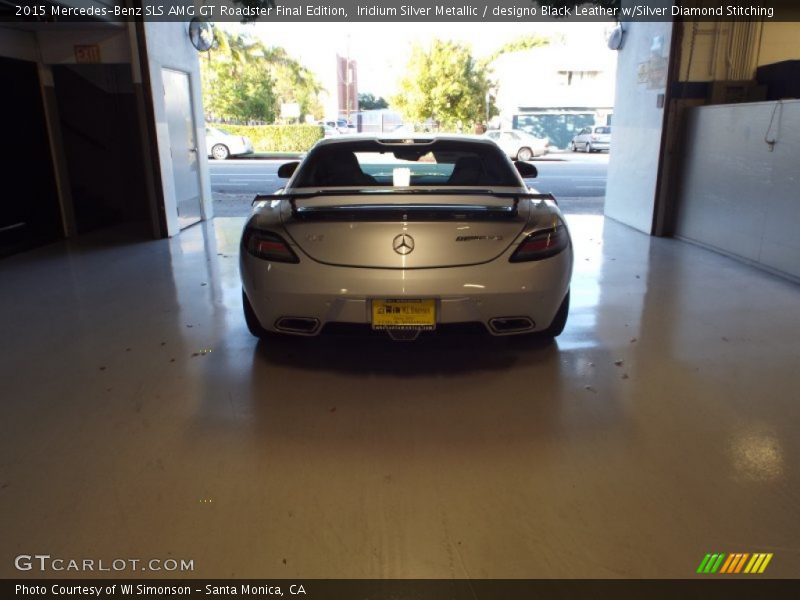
[89, 53]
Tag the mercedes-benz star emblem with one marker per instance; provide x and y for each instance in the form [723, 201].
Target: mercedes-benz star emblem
[403, 244]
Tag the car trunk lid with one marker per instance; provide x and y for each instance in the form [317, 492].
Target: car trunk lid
[405, 231]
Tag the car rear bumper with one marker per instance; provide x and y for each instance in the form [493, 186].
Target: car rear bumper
[240, 149]
[325, 294]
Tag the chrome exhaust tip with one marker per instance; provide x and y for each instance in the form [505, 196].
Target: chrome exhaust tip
[511, 324]
[301, 325]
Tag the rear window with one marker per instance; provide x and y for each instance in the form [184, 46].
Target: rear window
[602, 130]
[370, 163]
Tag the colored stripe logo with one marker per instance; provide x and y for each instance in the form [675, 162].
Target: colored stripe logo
[734, 563]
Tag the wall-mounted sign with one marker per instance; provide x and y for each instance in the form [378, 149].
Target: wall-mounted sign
[87, 53]
[290, 110]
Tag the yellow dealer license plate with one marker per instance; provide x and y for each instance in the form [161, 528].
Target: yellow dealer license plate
[404, 314]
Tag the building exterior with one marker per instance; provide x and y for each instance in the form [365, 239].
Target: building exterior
[555, 90]
[346, 87]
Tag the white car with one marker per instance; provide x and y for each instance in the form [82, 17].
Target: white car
[592, 139]
[328, 130]
[339, 125]
[519, 145]
[220, 144]
[403, 236]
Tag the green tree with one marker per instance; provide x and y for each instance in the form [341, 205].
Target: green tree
[370, 102]
[245, 80]
[294, 83]
[235, 83]
[525, 42]
[447, 84]
[251, 96]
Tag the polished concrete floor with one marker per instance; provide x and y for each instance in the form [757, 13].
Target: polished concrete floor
[139, 419]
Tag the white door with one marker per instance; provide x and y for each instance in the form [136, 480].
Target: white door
[183, 146]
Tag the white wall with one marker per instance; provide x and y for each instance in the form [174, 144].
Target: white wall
[168, 46]
[738, 196]
[637, 124]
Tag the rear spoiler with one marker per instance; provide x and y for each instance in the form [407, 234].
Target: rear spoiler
[363, 209]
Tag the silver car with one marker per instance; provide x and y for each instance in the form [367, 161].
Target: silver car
[592, 139]
[404, 236]
[519, 145]
[221, 144]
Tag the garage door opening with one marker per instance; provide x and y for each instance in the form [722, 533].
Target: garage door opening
[537, 87]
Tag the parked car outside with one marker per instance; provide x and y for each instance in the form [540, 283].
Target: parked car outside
[221, 144]
[345, 126]
[339, 126]
[592, 139]
[328, 130]
[519, 145]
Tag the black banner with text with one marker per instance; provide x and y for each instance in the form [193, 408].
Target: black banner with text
[397, 10]
[408, 589]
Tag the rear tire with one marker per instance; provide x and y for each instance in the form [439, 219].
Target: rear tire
[589, 148]
[220, 152]
[524, 154]
[253, 324]
[559, 321]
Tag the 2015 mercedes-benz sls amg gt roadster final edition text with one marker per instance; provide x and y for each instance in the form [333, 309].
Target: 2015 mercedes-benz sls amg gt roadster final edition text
[406, 235]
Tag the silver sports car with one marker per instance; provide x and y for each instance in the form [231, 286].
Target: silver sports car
[406, 235]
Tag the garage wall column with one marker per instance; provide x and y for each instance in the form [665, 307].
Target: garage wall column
[168, 47]
[642, 74]
[142, 90]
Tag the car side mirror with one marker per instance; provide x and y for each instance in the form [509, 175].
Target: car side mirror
[527, 170]
[286, 170]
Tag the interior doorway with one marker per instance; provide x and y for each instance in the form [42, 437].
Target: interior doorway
[183, 146]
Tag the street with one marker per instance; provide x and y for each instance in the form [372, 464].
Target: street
[577, 180]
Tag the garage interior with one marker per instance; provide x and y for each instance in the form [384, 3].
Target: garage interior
[139, 417]
[77, 128]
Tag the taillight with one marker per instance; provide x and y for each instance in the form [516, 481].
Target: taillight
[542, 244]
[268, 246]
[594, 138]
